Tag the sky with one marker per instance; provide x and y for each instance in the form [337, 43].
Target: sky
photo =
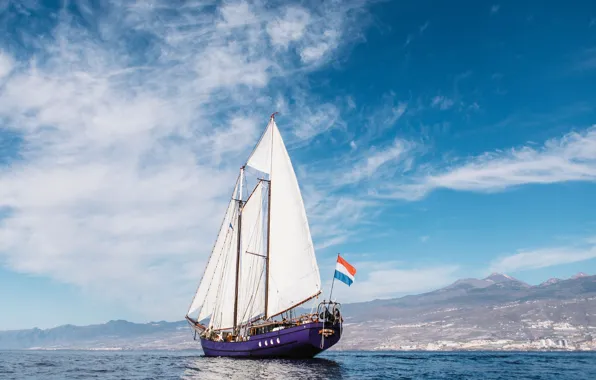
[432, 142]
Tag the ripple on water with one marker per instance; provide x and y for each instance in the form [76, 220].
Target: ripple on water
[330, 365]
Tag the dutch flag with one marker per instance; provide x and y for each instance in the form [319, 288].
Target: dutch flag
[344, 272]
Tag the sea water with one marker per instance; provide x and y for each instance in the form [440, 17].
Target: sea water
[329, 365]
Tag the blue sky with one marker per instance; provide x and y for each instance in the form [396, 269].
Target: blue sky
[432, 142]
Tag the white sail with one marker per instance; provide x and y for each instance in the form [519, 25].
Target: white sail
[293, 275]
[293, 271]
[251, 297]
[215, 295]
[260, 158]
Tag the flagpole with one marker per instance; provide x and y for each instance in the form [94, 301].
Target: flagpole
[333, 281]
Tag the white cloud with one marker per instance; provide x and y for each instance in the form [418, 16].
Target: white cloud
[569, 158]
[314, 53]
[290, 27]
[424, 26]
[442, 102]
[376, 280]
[6, 64]
[353, 145]
[236, 15]
[126, 169]
[542, 258]
[495, 8]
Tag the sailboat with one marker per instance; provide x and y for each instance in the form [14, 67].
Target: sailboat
[263, 268]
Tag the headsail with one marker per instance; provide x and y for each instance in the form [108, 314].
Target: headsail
[293, 275]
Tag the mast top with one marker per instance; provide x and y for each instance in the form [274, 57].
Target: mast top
[273, 115]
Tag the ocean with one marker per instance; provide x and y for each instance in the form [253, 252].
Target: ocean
[330, 365]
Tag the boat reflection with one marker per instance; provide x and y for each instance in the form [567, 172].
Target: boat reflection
[225, 368]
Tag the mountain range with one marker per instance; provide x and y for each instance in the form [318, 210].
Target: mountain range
[497, 310]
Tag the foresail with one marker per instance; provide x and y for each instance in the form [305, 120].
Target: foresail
[215, 295]
[251, 297]
[293, 270]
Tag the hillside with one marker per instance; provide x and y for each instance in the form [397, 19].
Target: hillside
[497, 312]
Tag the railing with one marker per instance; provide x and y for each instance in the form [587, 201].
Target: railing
[329, 311]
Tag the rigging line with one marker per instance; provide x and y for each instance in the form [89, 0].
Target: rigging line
[259, 232]
[251, 273]
[217, 266]
[253, 232]
[255, 254]
[252, 278]
[219, 259]
[213, 248]
[253, 298]
[218, 305]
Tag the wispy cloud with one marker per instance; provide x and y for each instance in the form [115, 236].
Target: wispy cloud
[542, 258]
[335, 219]
[585, 60]
[570, 158]
[375, 159]
[411, 36]
[313, 122]
[409, 39]
[124, 169]
[495, 8]
[442, 102]
[386, 115]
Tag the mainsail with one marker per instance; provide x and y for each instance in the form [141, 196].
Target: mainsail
[293, 277]
[277, 270]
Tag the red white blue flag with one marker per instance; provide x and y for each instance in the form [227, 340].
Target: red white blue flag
[344, 272]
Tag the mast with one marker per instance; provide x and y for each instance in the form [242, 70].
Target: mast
[269, 223]
[238, 250]
[268, 249]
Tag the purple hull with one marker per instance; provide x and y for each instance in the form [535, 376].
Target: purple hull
[294, 342]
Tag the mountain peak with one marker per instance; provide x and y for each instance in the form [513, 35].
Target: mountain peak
[550, 281]
[579, 275]
[499, 277]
